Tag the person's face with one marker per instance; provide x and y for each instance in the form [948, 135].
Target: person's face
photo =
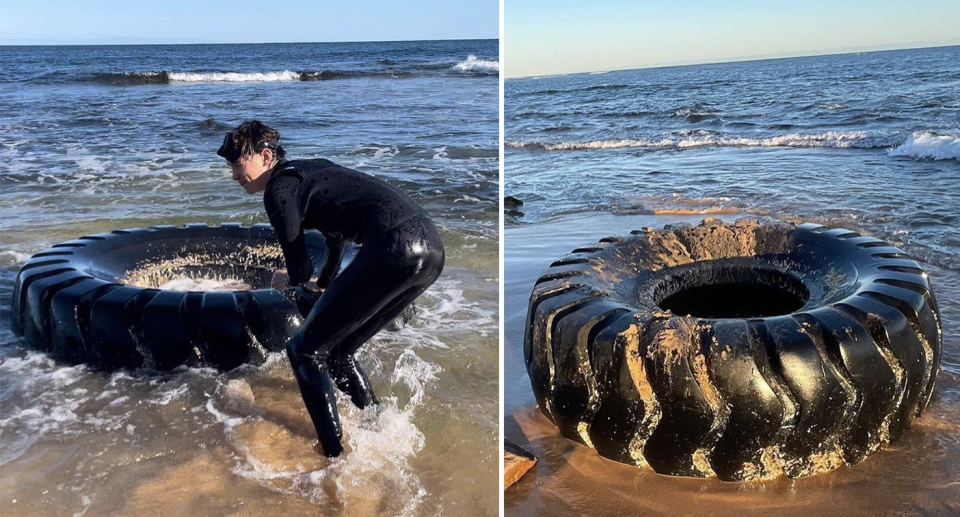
[249, 171]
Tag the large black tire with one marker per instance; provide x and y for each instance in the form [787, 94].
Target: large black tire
[808, 347]
[72, 300]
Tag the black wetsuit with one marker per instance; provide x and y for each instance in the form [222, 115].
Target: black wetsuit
[400, 256]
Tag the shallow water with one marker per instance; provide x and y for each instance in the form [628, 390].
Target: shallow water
[860, 141]
[85, 152]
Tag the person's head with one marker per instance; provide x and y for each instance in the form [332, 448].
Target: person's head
[252, 149]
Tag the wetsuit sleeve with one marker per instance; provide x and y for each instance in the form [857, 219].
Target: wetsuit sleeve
[282, 202]
[334, 256]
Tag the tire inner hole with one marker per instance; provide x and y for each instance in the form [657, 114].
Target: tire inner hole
[708, 290]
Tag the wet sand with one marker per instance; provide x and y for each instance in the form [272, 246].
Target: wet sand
[915, 476]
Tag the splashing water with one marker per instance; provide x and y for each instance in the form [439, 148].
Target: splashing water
[276, 448]
[204, 284]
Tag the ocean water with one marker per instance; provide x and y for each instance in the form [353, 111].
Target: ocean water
[868, 141]
[99, 138]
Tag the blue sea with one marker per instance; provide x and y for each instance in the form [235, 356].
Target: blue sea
[98, 138]
[866, 141]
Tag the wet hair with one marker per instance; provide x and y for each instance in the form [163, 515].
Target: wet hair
[250, 138]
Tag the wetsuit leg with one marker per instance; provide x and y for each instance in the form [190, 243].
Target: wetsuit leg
[418, 233]
[316, 388]
[348, 302]
[379, 274]
[347, 373]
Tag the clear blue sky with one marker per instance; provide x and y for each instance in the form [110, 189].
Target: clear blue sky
[544, 37]
[243, 21]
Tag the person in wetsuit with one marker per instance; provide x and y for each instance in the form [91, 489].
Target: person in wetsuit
[400, 256]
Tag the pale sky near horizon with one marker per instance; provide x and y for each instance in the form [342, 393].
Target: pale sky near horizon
[548, 37]
[93, 22]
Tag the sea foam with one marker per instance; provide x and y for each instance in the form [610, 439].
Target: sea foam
[13, 257]
[926, 145]
[41, 399]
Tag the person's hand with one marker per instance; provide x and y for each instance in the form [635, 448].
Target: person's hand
[280, 279]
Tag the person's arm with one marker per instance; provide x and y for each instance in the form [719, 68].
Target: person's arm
[282, 202]
[335, 247]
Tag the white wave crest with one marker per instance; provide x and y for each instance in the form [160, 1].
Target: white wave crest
[474, 64]
[926, 145]
[836, 139]
[233, 77]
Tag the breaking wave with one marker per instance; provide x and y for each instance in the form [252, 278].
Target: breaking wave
[695, 139]
[232, 77]
[473, 64]
[167, 77]
[926, 145]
